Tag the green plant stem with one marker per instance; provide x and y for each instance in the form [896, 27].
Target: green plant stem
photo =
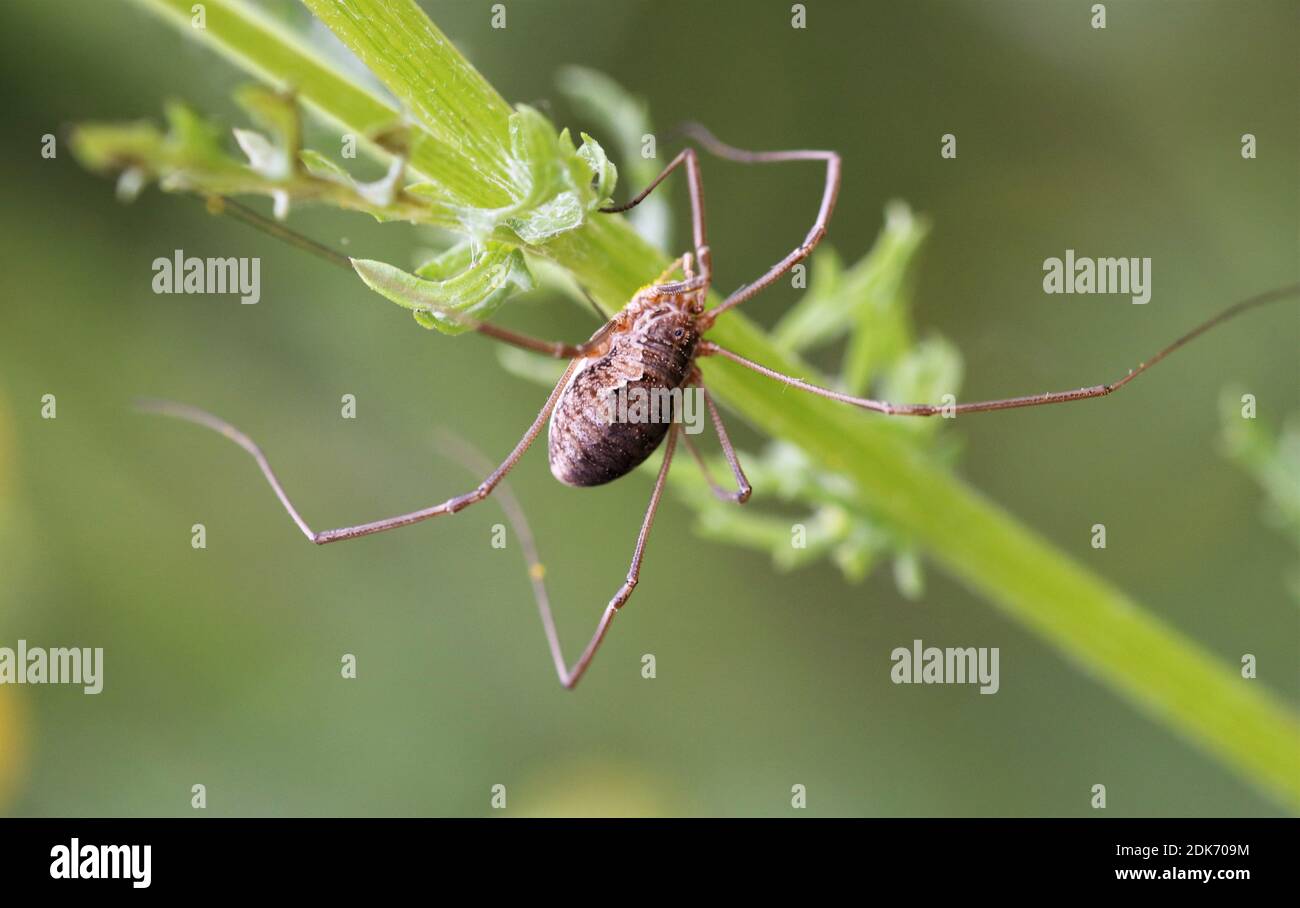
[1169, 676]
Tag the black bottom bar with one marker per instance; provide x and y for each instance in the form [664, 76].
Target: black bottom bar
[338, 856]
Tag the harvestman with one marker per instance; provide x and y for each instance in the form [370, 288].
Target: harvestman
[652, 343]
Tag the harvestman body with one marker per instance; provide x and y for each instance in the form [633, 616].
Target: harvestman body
[651, 348]
[652, 343]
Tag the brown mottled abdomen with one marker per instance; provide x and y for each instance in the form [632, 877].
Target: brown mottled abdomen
[584, 447]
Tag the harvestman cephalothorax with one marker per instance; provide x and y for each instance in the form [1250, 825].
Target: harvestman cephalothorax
[657, 336]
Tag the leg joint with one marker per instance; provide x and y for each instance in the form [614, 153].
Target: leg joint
[460, 503]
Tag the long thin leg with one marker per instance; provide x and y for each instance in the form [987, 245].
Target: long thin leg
[708, 348]
[743, 488]
[558, 349]
[569, 676]
[815, 233]
[450, 506]
[699, 232]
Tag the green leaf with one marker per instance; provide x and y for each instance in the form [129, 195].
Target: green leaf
[551, 198]
[320, 166]
[1272, 458]
[604, 173]
[625, 120]
[190, 157]
[462, 286]
[276, 160]
[864, 300]
[908, 576]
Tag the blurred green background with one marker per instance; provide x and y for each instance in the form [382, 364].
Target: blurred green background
[222, 666]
